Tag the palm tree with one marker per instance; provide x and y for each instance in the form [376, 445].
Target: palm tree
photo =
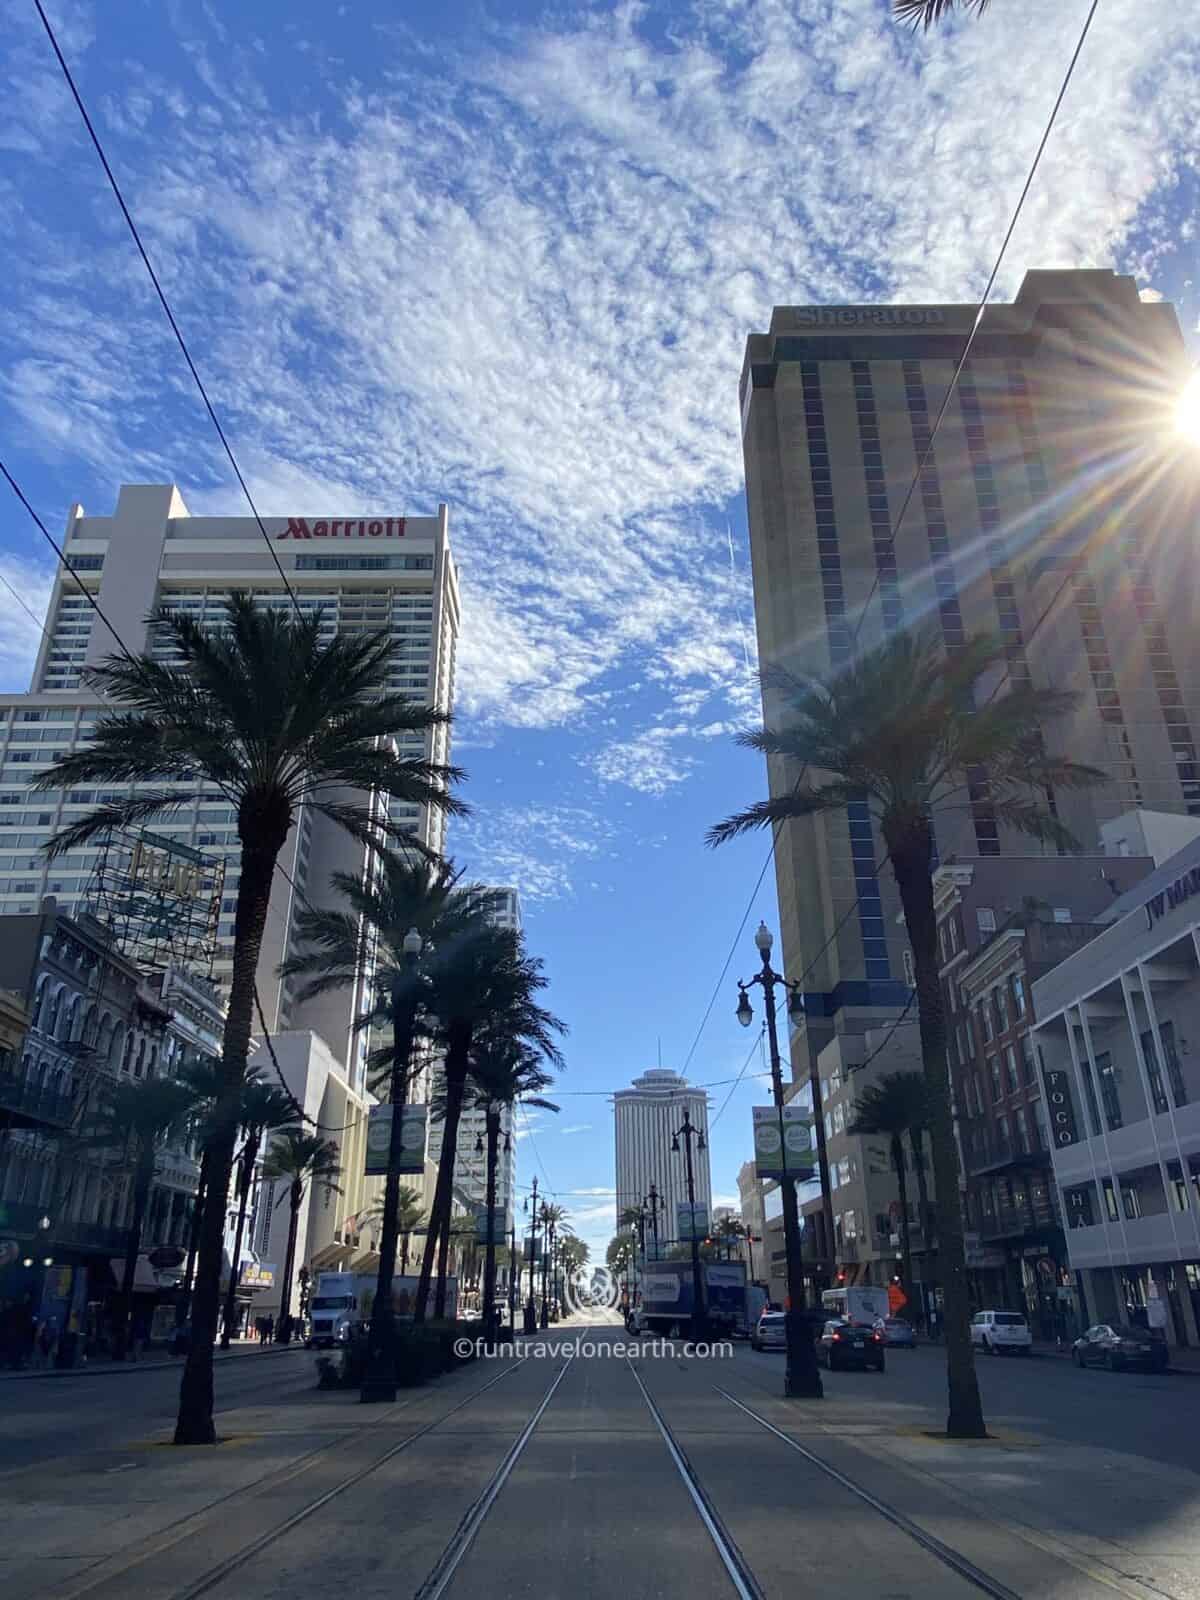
[925, 13]
[274, 717]
[552, 1217]
[730, 1231]
[903, 728]
[136, 1116]
[504, 1072]
[265, 1109]
[480, 980]
[299, 1159]
[410, 907]
[888, 1109]
[410, 1214]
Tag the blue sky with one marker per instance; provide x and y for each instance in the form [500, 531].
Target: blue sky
[506, 256]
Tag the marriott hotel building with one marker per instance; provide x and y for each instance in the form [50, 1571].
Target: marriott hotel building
[1057, 511]
[367, 573]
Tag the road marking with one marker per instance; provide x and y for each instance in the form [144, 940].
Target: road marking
[126, 1466]
[744, 1582]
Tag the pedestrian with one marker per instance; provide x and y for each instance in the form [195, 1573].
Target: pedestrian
[268, 1330]
[46, 1342]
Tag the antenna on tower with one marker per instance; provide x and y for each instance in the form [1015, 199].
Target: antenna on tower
[660, 1049]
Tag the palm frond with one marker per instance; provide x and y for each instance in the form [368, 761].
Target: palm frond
[927, 13]
[800, 802]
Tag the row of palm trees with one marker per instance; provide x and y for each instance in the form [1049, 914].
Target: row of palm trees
[894, 1107]
[276, 718]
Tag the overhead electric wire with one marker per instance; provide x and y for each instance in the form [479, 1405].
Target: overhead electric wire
[921, 465]
[158, 289]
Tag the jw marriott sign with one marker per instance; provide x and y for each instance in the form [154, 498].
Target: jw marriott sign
[377, 528]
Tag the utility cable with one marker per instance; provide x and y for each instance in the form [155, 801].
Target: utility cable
[158, 289]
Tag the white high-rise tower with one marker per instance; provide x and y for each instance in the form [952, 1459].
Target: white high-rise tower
[646, 1117]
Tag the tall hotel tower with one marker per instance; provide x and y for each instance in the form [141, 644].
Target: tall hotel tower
[1057, 510]
[647, 1114]
[360, 572]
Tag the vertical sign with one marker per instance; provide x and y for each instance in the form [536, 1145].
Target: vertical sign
[691, 1222]
[413, 1130]
[1059, 1109]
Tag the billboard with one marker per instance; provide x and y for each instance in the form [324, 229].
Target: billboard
[413, 1131]
[691, 1221]
[784, 1143]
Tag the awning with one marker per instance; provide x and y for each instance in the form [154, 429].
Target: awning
[146, 1279]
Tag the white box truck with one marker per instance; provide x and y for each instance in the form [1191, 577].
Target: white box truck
[342, 1304]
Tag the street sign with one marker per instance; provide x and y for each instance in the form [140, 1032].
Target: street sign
[691, 1222]
[500, 1223]
[413, 1131]
[789, 1153]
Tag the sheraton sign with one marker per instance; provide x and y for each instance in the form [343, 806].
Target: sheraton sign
[376, 528]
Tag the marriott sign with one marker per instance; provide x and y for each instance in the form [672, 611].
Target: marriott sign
[377, 528]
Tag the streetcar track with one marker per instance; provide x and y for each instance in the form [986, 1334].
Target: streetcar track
[463, 1537]
[195, 1523]
[929, 1542]
[745, 1584]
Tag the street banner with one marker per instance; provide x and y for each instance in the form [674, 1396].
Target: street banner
[533, 1248]
[414, 1127]
[691, 1222]
[500, 1224]
[792, 1154]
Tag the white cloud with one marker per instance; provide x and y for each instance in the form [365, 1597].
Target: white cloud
[535, 847]
[520, 280]
[576, 1127]
[24, 588]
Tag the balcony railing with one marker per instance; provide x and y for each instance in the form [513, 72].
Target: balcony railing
[1008, 1222]
[985, 1151]
[25, 1222]
[31, 1100]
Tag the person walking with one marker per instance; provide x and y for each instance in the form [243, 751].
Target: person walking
[268, 1331]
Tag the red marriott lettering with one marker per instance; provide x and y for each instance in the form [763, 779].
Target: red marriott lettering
[387, 528]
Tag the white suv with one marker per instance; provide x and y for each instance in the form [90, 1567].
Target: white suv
[1001, 1332]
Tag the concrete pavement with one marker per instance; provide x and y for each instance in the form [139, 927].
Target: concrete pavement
[1091, 1487]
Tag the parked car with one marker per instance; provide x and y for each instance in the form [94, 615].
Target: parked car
[1119, 1347]
[895, 1331]
[770, 1332]
[844, 1344]
[1001, 1333]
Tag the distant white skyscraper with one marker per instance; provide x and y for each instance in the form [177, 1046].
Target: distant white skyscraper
[646, 1117]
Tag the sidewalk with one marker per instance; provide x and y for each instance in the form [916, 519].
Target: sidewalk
[1185, 1362]
[155, 1362]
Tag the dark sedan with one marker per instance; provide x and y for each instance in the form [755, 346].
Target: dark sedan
[845, 1345]
[1118, 1347]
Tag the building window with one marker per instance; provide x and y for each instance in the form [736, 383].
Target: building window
[1040, 1131]
[1110, 1200]
[1108, 1091]
[1028, 1062]
[1002, 1135]
[1018, 991]
[1179, 1092]
[1021, 1127]
[994, 1067]
[1010, 1070]
[1062, 913]
[985, 1021]
[1131, 1199]
[985, 917]
[1001, 998]
[1158, 1095]
[1089, 1095]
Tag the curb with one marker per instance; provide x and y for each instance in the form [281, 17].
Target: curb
[124, 1368]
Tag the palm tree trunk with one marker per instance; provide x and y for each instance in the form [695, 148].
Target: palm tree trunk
[381, 1357]
[404, 1255]
[289, 1260]
[245, 1178]
[489, 1260]
[185, 1299]
[143, 1178]
[911, 854]
[443, 1194]
[897, 1144]
[263, 839]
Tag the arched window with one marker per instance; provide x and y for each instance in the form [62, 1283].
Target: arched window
[41, 1001]
[152, 1064]
[50, 1024]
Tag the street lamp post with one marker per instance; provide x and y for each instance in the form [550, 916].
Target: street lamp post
[513, 1274]
[379, 1384]
[687, 1133]
[654, 1198]
[531, 1303]
[802, 1380]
